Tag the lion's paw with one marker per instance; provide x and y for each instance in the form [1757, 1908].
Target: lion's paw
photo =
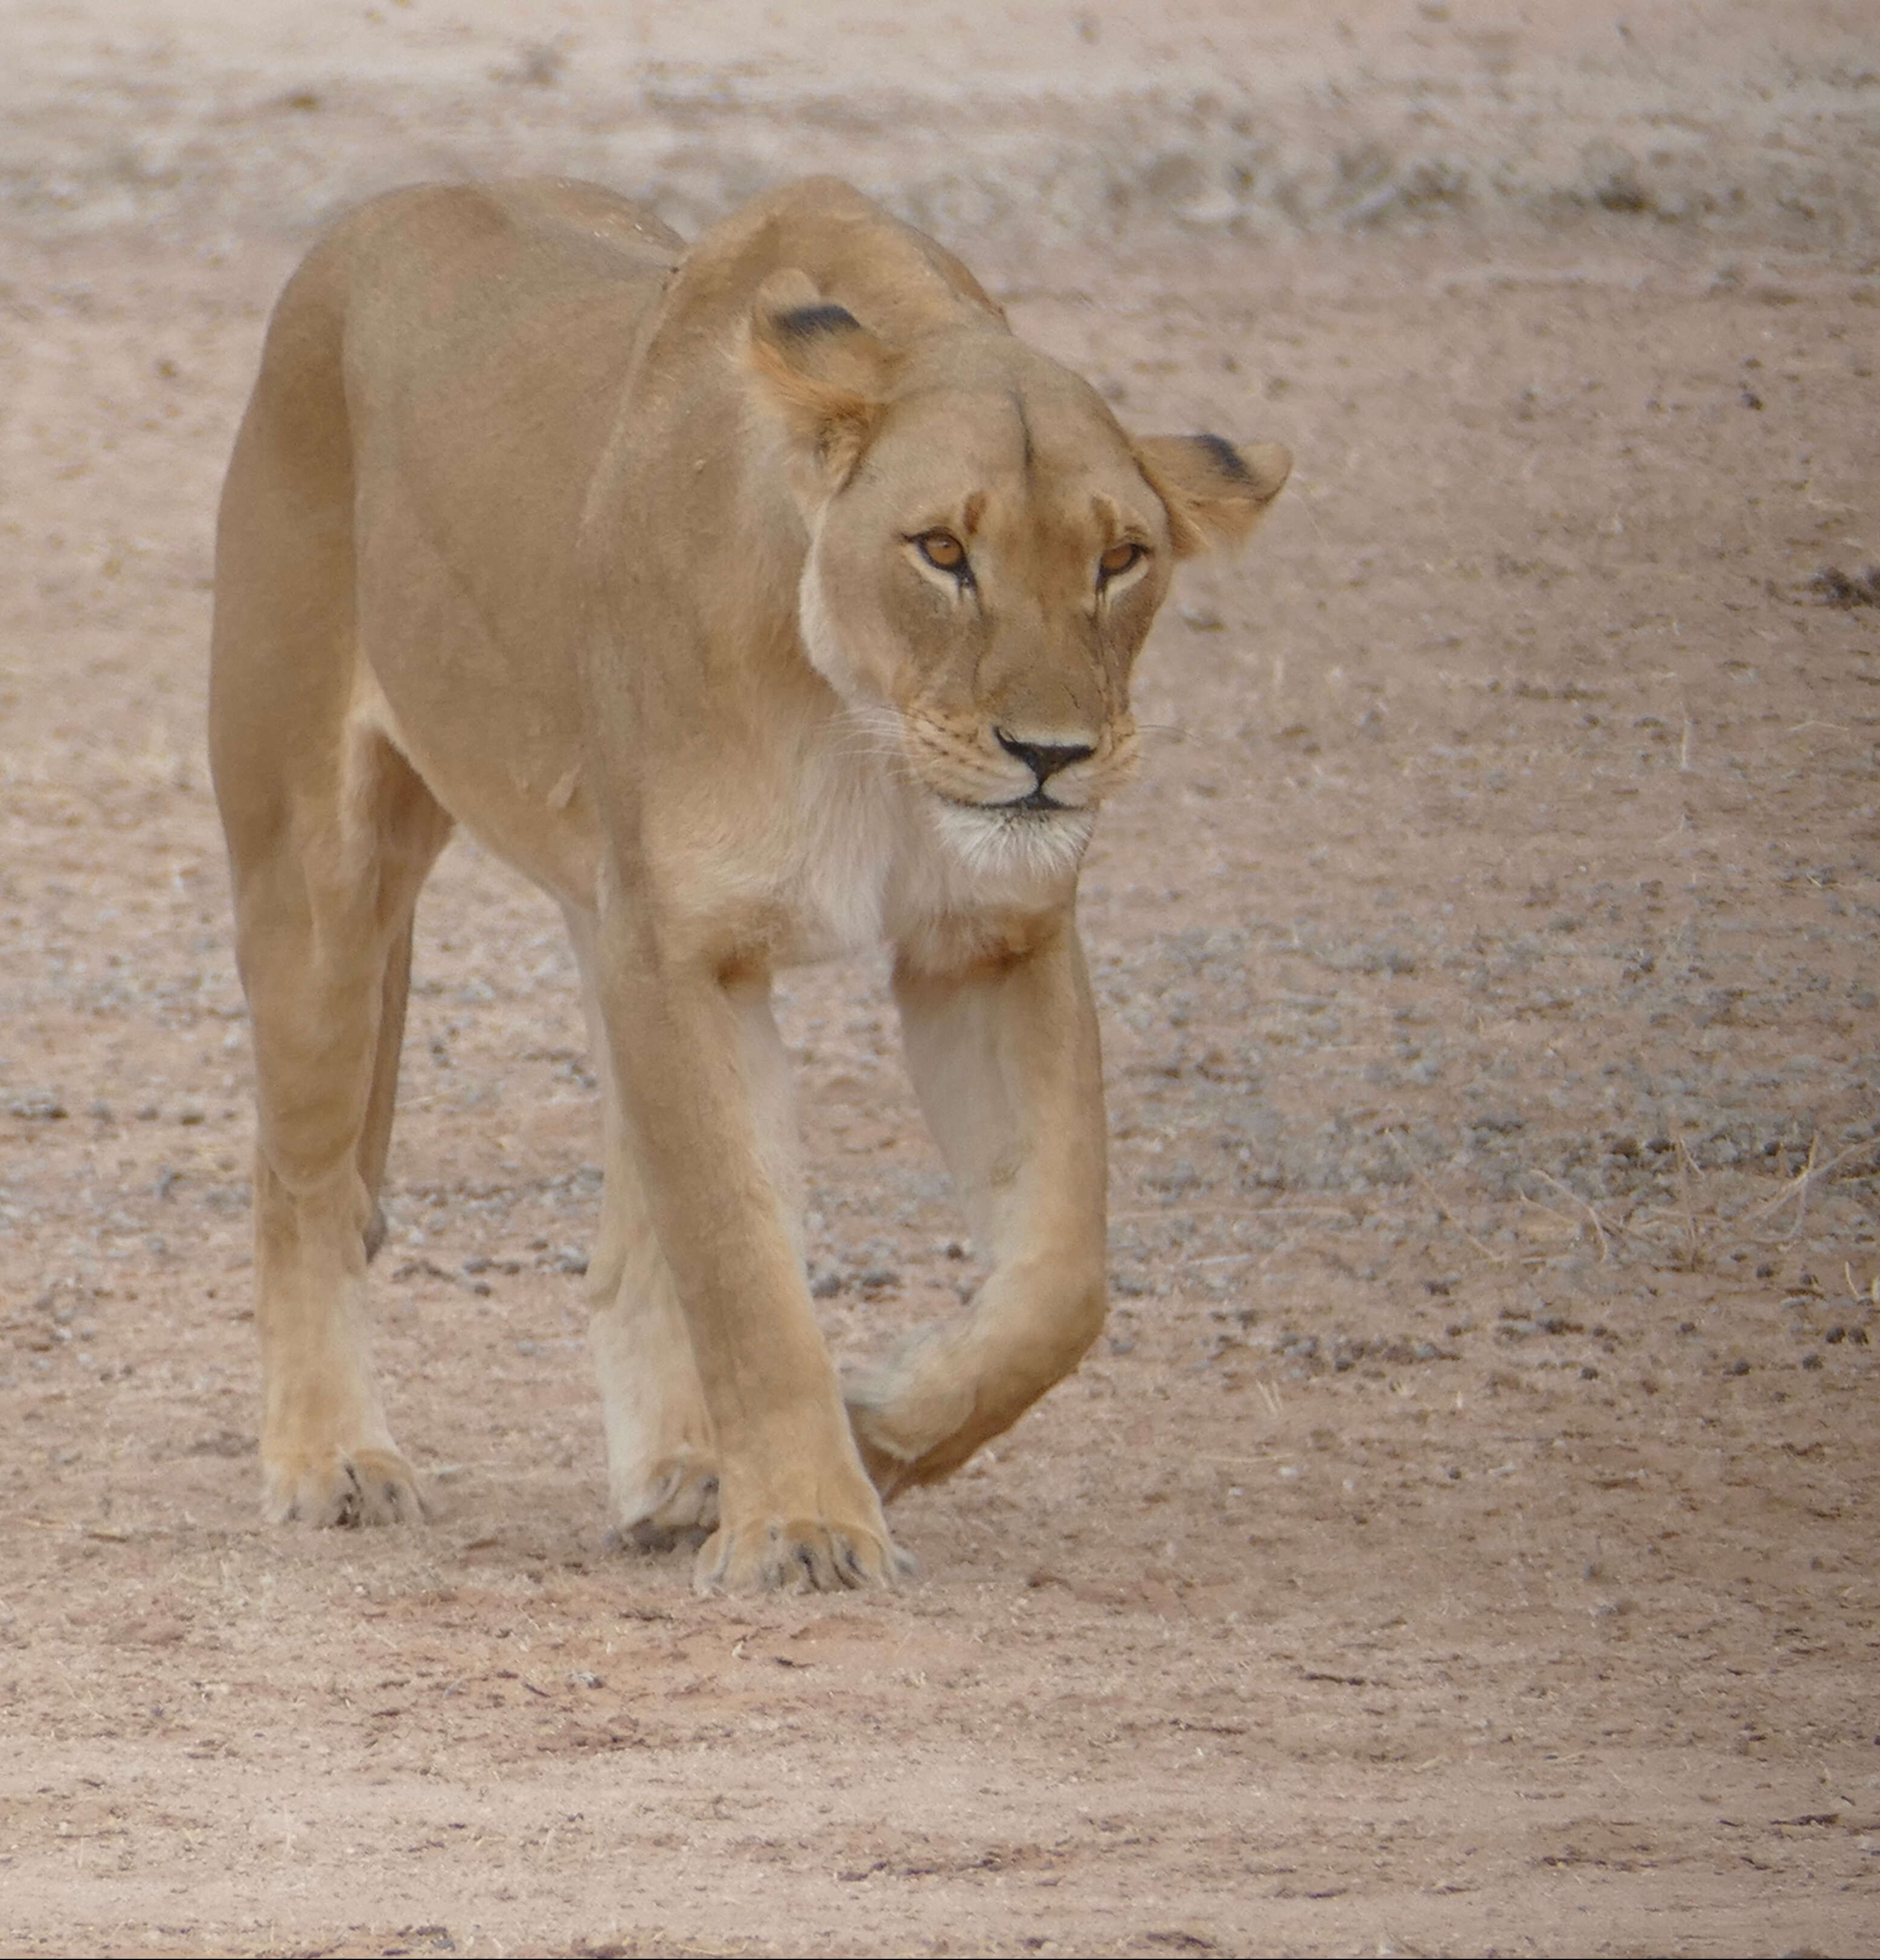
[675, 1502]
[798, 1555]
[341, 1486]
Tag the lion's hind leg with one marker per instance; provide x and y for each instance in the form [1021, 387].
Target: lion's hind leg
[375, 1139]
[323, 927]
[330, 833]
[662, 1462]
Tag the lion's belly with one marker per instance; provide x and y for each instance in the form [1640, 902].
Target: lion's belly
[523, 801]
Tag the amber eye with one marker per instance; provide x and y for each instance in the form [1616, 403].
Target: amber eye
[1117, 561]
[943, 550]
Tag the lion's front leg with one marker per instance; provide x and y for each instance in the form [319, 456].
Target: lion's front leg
[704, 1088]
[1006, 1063]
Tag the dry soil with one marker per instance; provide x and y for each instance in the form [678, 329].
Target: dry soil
[1457, 1543]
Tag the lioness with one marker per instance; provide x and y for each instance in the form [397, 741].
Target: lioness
[760, 600]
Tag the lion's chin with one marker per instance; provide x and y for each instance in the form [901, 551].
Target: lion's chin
[1005, 842]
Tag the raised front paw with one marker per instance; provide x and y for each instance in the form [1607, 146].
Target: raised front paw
[785, 1554]
[896, 1464]
[340, 1486]
[915, 1418]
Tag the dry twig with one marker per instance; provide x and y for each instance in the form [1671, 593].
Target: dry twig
[1693, 1246]
[1443, 1210]
[1586, 1205]
[1797, 1186]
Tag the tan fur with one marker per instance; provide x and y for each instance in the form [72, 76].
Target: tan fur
[608, 549]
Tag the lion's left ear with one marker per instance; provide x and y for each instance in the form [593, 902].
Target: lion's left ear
[1215, 493]
[825, 371]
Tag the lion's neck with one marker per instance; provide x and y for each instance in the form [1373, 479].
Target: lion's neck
[868, 859]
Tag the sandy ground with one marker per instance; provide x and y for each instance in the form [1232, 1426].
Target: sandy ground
[1462, 1540]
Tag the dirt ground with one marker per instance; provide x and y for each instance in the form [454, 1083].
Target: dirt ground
[1463, 1539]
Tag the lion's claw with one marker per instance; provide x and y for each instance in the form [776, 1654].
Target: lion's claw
[797, 1555]
[648, 1537]
[345, 1487]
[675, 1503]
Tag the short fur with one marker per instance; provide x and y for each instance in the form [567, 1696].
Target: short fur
[623, 555]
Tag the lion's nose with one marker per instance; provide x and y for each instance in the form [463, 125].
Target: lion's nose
[1045, 758]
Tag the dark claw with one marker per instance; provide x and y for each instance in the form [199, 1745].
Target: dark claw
[647, 1537]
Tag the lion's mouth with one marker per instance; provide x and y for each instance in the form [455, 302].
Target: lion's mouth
[1037, 802]
[1039, 799]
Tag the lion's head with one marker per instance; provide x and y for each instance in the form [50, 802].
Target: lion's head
[987, 548]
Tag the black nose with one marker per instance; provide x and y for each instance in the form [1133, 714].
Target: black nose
[1044, 759]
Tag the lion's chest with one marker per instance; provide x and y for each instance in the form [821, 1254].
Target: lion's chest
[854, 856]
[849, 838]
[866, 862]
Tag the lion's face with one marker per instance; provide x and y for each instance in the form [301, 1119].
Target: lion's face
[983, 582]
[988, 550]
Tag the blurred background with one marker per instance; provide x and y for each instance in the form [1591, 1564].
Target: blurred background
[215, 116]
[1481, 1453]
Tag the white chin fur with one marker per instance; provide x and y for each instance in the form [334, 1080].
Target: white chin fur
[1014, 844]
[1019, 848]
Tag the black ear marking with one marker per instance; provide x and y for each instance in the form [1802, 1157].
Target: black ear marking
[1214, 491]
[817, 364]
[1226, 458]
[805, 323]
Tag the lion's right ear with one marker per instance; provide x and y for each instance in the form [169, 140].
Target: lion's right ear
[822, 369]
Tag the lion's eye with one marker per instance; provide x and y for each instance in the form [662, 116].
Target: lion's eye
[943, 550]
[1117, 561]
